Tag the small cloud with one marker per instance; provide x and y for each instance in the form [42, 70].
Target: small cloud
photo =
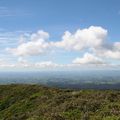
[36, 46]
[88, 59]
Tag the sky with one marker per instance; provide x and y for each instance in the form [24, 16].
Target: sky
[59, 34]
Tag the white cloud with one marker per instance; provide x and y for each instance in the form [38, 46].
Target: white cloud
[93, 36]
[37, 45]
[91, 40]
[39, 35]
[46, 64]
[88, 59]
[112, 52]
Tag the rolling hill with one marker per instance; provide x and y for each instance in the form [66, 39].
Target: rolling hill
[35, 102]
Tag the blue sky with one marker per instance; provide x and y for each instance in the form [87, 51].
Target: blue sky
[22, 18]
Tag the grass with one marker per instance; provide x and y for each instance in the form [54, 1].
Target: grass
[35, 102]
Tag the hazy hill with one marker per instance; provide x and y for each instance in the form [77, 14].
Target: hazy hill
[33, 102]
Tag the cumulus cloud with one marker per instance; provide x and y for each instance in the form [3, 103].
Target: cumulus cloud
[81, 39]
[92, 39]
[93, 36]
[37, 45]
[109, 54]
[88, 59]
[39, 35]
[112, 52]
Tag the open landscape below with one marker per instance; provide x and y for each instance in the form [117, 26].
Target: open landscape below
[35, 102]
[84, 79]
[59, 59]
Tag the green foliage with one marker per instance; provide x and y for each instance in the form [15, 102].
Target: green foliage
[74, 114]
[34, 102]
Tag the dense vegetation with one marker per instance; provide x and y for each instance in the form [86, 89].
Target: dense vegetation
[34, 102]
